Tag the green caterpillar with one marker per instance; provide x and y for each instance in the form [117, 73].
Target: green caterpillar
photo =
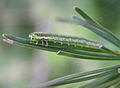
[46, 39]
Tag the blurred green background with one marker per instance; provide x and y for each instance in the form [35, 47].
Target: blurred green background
[22, 67]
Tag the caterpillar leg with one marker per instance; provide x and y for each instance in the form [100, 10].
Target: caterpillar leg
[42, 42]
[46, 42]
[36, 42]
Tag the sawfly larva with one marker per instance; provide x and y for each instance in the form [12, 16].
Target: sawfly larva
[44, 39]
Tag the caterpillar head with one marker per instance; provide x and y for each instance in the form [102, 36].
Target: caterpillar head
[32, 36]
[37, 36]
